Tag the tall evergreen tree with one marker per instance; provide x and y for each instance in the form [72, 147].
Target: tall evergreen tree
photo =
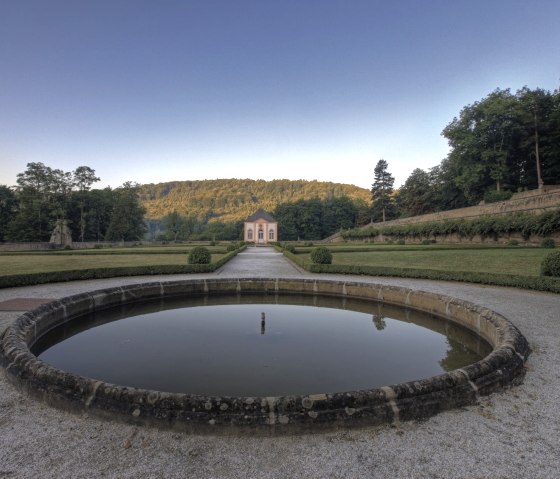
[381, 190]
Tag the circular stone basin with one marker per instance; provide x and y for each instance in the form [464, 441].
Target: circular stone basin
[259, 345]
[286, 408]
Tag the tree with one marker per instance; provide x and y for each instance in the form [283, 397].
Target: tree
[416, 196]
[221, 231]
[483, 141]
[127, 216]
[83, 178]
[8, 206]
[99, 206]
[505, 142]
[362, 212]
[35, 212]
[174, 225]
[309, 219]
[540, 141]
[286, 216]
[338, 213]
[381, 191]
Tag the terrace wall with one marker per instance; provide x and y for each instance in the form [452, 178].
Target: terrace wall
[532, 202]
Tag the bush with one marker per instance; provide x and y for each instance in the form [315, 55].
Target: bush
[495, 196]
[308, 243]
[513, 242]
[200, 255]
[548, 243]
[232, 247]
[551, 264]
[400, 242]
[290, 248]
[321, 255]
[426, 242]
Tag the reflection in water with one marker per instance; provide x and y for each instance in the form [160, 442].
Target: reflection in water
[378, 318]
[379, 322]
[457, 354]
[207, 345]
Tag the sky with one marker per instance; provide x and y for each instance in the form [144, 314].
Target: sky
[167, 90]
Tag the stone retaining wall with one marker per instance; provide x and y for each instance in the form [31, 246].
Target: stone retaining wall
[535, 201]
[389, 404]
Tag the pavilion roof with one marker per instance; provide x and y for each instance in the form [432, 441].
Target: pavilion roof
[261, 214]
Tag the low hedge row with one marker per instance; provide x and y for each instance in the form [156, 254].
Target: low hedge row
[100, 273]
[487, 226]
[538, 283]
[107, 252]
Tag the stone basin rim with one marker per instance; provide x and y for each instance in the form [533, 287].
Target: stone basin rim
[390, 404]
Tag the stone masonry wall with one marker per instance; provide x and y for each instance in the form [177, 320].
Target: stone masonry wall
[534, 201]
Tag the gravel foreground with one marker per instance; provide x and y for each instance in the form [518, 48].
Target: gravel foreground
[512, 434]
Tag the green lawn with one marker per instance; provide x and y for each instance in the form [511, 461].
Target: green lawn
[520, 261]
[36, 263]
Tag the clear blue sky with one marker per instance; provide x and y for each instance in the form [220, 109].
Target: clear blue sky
[162, 90]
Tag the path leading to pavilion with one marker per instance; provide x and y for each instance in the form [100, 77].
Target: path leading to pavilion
[259, 262]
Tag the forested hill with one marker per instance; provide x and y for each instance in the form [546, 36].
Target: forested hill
[233, 199]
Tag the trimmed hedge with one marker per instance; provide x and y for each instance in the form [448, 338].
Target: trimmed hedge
[486, 226]
[289, 247]
[550, 265]
[102, 273]
[538, 283]
[106, 252]
[321, 255]
[548, 243]
[200, 255]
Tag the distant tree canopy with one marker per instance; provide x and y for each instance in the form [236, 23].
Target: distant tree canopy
[315, 219]
[503, 142]
[231, 200]
[29, 211]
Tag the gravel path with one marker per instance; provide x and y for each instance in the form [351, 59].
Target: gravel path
[513, 434]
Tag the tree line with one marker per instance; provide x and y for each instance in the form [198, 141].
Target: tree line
[505, 143]
[232, 200]
[43, 195]
[311, 219]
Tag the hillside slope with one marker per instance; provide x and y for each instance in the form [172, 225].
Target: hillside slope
[234, 199]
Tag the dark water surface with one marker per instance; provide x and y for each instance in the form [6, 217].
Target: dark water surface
[220, 345]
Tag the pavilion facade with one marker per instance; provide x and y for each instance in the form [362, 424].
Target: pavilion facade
[260, 228]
